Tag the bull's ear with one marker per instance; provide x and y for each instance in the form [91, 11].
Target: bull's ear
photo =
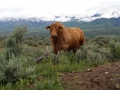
[48, 27]
[60, 28]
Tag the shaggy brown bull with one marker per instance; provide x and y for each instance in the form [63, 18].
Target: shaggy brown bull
[63, 38]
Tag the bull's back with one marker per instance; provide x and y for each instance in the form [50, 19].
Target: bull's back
[74, 34]
[73, 37]
[76, 37]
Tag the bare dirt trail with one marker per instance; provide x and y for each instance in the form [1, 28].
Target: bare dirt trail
[98, 78]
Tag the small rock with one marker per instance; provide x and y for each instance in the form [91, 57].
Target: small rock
[89, 70]
[106, 72]
[61, 74]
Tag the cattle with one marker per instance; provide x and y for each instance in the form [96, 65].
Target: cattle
[63, 38]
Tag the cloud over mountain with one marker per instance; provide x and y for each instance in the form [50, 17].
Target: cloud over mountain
[50, 8]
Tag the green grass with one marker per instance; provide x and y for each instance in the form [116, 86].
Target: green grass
[49, 71]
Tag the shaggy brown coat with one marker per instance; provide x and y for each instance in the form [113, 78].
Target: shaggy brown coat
[63, 38]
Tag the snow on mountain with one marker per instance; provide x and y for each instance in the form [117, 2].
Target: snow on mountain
[111, 13]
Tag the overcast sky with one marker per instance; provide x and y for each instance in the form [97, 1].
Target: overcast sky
[48, 8]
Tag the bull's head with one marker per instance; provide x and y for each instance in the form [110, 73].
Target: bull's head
[54, 30]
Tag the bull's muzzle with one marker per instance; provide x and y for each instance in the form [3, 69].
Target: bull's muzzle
[53, 35]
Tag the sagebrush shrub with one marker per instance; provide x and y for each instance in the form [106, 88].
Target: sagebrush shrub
[115, 50]
[13, 42]
[93, 53]
[14, 69]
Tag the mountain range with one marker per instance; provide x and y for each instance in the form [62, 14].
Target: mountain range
[102, 21]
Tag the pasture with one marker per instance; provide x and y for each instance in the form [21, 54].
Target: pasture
[64, 71]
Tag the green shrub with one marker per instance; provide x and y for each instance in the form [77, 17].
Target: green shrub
[36, 41]
[101, 40]
[13, 42]
[93, 54]
[115, 50]
[14, 69]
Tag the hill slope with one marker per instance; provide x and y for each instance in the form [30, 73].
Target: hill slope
[102, 26]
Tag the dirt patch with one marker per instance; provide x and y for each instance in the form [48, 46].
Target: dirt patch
[98, 78]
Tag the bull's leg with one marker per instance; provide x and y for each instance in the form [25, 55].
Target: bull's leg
[74, 51]
[81, 42]
[55, 51]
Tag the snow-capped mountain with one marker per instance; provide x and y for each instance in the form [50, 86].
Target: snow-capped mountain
[111, 13]
[100, 20]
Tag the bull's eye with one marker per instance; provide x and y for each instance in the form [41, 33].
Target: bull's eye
[60, 28]
[48, 27]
